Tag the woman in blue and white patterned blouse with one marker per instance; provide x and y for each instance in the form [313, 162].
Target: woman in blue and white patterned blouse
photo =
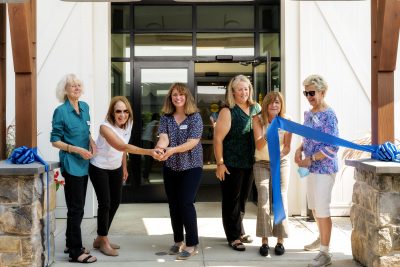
[321, 160]
[180, 131]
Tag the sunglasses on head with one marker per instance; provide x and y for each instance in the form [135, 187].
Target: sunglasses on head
[118, 111]
[309, 93]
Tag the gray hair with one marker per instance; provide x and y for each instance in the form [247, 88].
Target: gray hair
[62, 85]
[317, 81]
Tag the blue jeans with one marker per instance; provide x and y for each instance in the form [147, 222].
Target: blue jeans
[181, 188]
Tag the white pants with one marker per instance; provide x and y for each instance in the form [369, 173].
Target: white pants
[319, 191]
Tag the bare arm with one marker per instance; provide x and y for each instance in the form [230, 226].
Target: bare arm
[220, 131]
[124, 168]
[84, 153]
[119, 145]
[287, 139]
[258, 133]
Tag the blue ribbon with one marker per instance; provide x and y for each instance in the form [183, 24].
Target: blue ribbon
[384, 152]
[26, 155]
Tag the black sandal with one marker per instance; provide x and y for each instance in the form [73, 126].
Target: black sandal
[85, 260]
[237, 246]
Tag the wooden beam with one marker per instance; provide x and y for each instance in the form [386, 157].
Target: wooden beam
[3, 62]
[22, 19]
[384, 30]
[388, 23]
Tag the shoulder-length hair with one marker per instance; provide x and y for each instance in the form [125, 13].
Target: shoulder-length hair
[190, 106]
[229, 98]
[110, 117]
[65, 81]
[268, 99]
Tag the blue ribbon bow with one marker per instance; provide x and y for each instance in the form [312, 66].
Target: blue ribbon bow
[26, 155]
[384, 152]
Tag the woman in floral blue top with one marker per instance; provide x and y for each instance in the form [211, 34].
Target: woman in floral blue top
[179, 146]
[321, 160]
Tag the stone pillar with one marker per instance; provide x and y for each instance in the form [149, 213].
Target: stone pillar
[375, 214]
[23, 214]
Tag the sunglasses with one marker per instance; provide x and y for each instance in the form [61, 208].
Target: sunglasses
[118, 111]
[309, 93]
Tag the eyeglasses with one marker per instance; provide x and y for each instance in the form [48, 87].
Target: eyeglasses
[309, 93]
[118, 111]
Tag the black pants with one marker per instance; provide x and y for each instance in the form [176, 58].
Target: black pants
[181, 188]
[75, 194]
[108, 187]
[235, 191]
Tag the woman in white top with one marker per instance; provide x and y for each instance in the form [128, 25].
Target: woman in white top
[272, 106]
[108, 169]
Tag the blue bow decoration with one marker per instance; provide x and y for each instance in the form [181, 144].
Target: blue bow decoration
[384, 152]
[26, 155]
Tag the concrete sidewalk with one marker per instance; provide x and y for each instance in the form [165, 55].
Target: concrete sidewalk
[145, 235]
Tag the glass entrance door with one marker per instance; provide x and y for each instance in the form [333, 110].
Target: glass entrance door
[151, 83]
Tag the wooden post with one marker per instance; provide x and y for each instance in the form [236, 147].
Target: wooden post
[23, 39]
[3, 62]
[385, 25]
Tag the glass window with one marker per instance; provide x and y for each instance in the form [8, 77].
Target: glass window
[163, 17]
[276, 75]
[269, 18]
[120, 45]
[235, 44]
[163, 44]
[120, 78]
[269, 42]
[225, 17]
[120, 17]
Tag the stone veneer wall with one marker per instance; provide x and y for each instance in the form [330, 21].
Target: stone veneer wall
[23, 239]
[375, 214]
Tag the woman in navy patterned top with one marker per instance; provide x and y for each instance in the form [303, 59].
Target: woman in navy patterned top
[321, 160]
[180, 131]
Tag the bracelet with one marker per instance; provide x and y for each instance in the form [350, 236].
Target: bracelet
[219, 164]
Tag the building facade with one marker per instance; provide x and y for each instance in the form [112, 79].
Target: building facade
[138, 49]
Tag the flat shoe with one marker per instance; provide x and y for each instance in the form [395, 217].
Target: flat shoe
[264, 249]
[173, 250]
[238, 246]
[108, 252]
[246, 239]
[112, 245]
[279, 249]
[184, 255]
[87, 259]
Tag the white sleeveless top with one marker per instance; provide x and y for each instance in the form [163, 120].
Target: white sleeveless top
[108, 157]
[263, 153]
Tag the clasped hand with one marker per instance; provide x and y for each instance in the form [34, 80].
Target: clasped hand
[162, 154]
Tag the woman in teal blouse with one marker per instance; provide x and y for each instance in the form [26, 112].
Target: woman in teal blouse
[234, 154]
[71, 134]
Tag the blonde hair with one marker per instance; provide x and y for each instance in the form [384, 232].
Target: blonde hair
[317, 81]
[268, 99]
[110, 117]
[190, 105]
[65, 81]
[229, 98]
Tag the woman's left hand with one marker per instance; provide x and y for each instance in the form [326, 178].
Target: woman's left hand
[124, 174]
[305, 162]
[285, 150]
[169, 151]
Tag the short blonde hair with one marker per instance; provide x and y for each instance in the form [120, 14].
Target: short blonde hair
[268, 99]
[317, 81]
[65, 81]
[190, 105]
[110, 117]
[229, 98]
